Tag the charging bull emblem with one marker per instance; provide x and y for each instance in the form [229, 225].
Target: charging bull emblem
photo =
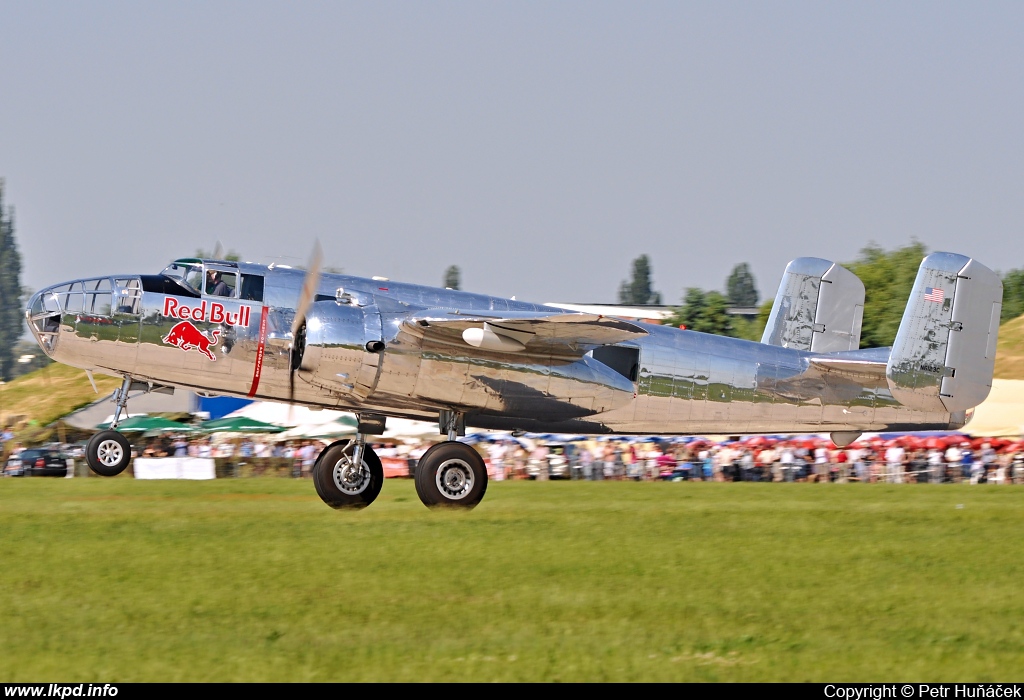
[187, 337]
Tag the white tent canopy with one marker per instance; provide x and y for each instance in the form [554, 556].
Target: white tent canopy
[290, 416]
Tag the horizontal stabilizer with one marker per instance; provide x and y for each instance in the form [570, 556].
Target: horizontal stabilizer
[945, 349]
[864, 366]
[554, 333]
[819, 307]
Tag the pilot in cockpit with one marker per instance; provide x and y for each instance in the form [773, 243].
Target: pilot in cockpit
[215, 285]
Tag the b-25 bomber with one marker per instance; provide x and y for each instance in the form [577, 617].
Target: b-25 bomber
[380, 348]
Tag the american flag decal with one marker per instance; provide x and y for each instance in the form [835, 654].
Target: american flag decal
[934, 294]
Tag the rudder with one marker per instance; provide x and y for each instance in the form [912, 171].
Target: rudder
[945, 349]
[819, 307]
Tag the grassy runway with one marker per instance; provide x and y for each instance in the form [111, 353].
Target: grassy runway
[118, 580]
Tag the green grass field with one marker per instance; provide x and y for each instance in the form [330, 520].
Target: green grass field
[109, 580]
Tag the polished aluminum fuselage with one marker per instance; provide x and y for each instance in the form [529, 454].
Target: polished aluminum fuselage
[685, 382]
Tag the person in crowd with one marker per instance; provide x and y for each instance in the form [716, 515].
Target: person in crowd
[665, 465]
[821, 463]
[967, 459]
[987, 457]
[769, 461]
[840, 472]
[787, 462]
[586, 461]
[954, 457]
[894, 456]
[496, 452]
[936, 466]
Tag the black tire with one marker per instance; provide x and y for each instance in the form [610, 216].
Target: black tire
[340, 487]
[108, 453]
[451, 474]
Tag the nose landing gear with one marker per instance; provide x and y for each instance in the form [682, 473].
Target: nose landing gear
[108, 452]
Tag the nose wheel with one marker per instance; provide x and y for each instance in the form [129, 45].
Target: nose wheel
[108, 453]
[451, 474]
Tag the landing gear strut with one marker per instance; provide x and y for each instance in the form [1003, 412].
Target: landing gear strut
[451, 473]
[108, 452]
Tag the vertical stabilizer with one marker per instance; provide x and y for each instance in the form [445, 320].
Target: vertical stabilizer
[819, 307]
[945, 350]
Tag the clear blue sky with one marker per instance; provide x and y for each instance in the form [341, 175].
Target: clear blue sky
[539, 146]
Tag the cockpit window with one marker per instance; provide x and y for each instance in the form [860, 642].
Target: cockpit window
[186, 273]
[221, 283]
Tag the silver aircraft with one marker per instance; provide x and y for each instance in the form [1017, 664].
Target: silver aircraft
[381, 348]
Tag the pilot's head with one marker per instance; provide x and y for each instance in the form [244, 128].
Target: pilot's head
[212, 278]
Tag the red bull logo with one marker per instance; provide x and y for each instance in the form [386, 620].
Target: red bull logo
[187, 337]
[213, 312]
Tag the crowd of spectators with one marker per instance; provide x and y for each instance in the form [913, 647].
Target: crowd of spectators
[905, 459]
[761, 459]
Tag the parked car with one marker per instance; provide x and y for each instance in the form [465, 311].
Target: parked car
[37, 461]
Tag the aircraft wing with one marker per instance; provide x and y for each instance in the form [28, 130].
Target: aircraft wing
[552, 333]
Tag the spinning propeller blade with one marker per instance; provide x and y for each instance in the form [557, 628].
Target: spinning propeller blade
[309, 287]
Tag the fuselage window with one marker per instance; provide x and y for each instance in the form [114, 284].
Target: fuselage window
[128, 297]
[74, 304]
[98, 303]
[252, 287]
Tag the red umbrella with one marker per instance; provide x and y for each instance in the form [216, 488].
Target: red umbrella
[934, 443]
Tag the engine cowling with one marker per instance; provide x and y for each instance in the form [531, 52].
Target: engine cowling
[335, 355]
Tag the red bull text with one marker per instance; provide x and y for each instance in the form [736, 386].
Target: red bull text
[213, 312]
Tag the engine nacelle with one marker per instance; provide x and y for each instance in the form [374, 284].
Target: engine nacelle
[335, 353]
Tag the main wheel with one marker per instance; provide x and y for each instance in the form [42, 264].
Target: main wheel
[108, 453]
[451, 474]
[341, 483]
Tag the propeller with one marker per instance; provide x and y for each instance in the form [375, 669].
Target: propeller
[309, 287]
[218, 251]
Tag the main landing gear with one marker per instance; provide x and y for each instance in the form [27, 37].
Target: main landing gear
[451, 473]
[348, 474]
[108, 452]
